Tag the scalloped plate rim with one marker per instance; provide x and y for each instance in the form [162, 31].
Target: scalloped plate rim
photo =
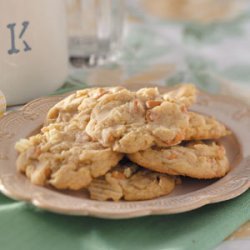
[135, 212]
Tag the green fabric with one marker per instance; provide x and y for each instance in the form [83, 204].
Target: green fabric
[23, 227]
[70, 85]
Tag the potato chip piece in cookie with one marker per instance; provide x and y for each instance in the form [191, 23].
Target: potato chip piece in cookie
[195, 159]
[130, 182]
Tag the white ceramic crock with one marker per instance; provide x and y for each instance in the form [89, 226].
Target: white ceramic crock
[33, 48]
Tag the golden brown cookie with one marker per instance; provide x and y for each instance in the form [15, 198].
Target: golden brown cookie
[185, 94]
[79, 103]
[131, 121]
[64, 156]
[131, 182]
[195, 159]
[203, 127]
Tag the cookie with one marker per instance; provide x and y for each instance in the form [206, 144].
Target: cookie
[132, 183]
[203, 127]
[129, 121]
[195, 159]
[64, 156]
[186, 94]
[79, 103]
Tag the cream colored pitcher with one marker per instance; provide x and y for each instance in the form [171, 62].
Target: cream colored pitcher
[33, 48]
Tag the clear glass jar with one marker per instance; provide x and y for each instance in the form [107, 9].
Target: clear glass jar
[95, 29]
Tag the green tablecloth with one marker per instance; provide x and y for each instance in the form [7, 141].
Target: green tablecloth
[23, 227]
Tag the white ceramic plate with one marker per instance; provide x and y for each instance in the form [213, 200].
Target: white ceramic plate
[190, 195]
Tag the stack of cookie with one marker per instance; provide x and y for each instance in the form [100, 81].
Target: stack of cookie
[120, 144]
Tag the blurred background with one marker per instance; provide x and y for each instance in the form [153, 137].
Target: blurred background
[170, 41]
